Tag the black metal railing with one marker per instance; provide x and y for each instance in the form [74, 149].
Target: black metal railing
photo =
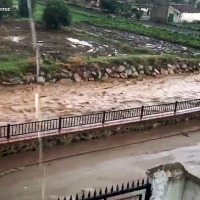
[123, 192]
[95, 118]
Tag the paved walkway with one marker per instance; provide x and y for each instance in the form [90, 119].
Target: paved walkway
[98, 170]
[80, 148]
[16, 138]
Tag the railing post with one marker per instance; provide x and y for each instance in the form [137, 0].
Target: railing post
[148, 192]
[142, 110]
[175, 109]
[104, 117]
[8, 131]
[59, 124]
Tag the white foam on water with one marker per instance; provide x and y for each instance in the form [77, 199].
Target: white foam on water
[14, 38]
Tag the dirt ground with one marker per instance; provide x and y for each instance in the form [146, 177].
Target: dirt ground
[16, 39]
[97, 170]
[17, 104]
[132, 39]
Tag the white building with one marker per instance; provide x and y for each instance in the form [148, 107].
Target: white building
[174, 13]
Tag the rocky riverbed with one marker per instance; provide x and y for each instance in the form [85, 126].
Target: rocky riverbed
[138, 40]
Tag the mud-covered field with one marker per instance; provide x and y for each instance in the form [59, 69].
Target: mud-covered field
[132, 39]
[15, 38]
[83, 40]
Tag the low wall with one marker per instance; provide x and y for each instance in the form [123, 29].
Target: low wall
[90, 134]
[173, 181]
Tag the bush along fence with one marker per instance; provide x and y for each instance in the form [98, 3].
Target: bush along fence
[123, 192]
[95, 118]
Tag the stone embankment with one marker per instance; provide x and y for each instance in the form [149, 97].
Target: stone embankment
[69, 72]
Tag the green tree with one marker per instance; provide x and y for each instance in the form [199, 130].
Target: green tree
[127, 11]
[23, 7]
[127, 15]
[139, 14]
[56, 13]
[111, 5]
[6, 4]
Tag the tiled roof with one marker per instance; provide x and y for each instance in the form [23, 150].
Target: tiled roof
[184, 8]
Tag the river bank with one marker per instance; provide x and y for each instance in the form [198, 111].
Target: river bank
[81, 69]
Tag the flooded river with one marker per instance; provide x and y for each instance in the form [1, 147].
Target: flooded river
[17, 104]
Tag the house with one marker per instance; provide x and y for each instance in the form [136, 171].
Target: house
[171, 12]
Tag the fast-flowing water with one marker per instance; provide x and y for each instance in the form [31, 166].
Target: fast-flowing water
[17, 104]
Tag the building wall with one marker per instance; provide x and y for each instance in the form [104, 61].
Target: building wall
[191, 191]
[159, 14]
[176, 16]
[174, 182]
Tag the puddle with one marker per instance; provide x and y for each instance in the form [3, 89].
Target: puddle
[79, 42]
[16, 39]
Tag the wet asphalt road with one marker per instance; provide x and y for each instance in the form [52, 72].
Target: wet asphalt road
[98, 170]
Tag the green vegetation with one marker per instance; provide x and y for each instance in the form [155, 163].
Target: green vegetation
[133, 59]
[56, 13]
[16, 66]
[10, 65]
[93, 18]
[111, 5]
[191, 26]
[167, 35]
[146, 60]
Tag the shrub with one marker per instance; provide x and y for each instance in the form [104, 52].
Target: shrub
[56, 13]
[111, 5]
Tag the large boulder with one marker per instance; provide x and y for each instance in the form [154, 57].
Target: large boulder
[77, 77]
[120, 68]
[41, 80]
[135, 74]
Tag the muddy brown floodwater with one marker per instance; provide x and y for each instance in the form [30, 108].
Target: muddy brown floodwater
[17, 104]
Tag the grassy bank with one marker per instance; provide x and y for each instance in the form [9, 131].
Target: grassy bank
[18, 67]
[145, 60]
[190, 26]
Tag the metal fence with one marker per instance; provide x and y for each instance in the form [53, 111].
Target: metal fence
[138, 191]
[96, 118]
